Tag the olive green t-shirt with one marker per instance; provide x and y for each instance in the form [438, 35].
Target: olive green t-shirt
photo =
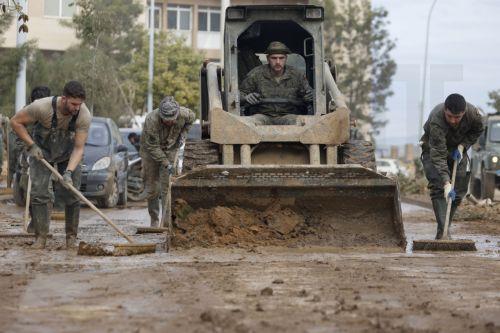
[41, 111]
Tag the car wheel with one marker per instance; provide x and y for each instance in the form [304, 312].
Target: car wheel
[111, 199]
[122, 197]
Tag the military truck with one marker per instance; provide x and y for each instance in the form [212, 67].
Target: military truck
[313, 168]
[485, 160]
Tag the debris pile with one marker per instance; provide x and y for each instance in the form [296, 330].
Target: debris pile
[222, 226]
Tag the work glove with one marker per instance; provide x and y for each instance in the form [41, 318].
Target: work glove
[252, 98]
[457, 154]
[309, 96]
[35, 151]
[67, 177]
[449, 192]
[167, 166]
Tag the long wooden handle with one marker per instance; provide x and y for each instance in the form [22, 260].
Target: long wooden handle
[27, 206]
[448, 208]
[85, 200]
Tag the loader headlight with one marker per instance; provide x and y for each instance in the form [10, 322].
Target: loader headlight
[314, 14]
[494, 159]
[235, 14]
[103, 163]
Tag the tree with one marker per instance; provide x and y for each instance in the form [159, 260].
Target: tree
[357, 40]
[9, 66]
[495, 100]
[176, 71]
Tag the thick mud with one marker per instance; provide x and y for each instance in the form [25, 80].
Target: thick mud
[249, 289]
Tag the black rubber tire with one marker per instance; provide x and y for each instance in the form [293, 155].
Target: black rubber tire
[111, 198]
[358, 152]
[198, 153]
[122, 197]
[487, 185]
[17, 191]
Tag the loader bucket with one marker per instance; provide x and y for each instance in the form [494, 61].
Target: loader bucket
[357, 206]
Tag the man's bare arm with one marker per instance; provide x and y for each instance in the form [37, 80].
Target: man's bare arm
[18, 124]
[77, 154]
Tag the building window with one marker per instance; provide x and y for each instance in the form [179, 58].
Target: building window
[59, 8]
[158, 17]
[178, 17]
[208, 19]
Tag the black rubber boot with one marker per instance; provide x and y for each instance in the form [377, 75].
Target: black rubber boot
[72, 218]
[439, 207]
[41, 222]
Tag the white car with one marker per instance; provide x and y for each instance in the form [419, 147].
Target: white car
[390, 167]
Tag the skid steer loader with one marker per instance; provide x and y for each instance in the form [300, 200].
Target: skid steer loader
[313, 168]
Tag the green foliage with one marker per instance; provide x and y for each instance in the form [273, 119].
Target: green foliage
[176, 70]
[9, 67]
[357, 40]
[495, 100]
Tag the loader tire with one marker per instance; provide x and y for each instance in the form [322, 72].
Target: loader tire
[199, 153]
[359, 152]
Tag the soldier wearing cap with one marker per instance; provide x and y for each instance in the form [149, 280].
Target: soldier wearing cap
[279, 81]
[164, 132]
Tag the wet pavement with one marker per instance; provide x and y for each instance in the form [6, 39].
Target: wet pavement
[261, 289]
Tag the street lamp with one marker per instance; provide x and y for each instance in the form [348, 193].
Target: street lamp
[422, 100]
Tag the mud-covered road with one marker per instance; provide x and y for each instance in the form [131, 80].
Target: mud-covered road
[257, 289]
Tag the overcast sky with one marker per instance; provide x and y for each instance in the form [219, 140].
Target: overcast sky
[463, 57]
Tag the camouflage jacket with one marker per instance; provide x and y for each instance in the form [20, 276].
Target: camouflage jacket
[160, 142]
[292, 85]
[440, 139]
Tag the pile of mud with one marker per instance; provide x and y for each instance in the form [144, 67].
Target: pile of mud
[223, 226]
[487, 213]
[344, 226]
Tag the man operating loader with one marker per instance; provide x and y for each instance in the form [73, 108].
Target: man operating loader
[277, 81]
[61, 125]
[451, 129]
[164, 131]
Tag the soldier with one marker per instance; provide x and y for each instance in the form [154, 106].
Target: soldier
[451, 129]
[59, 135]
[274, 80]
[164, 132]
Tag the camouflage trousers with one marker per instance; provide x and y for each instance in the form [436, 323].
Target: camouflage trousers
[156, 182]
[41, 177]
[436, 185]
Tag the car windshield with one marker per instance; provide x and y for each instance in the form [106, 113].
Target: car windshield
[383, 164]
[98, 135]
[495, 131]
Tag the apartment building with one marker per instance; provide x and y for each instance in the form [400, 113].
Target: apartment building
[198, 21]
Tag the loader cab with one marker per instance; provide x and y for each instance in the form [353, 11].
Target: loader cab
[248, 32]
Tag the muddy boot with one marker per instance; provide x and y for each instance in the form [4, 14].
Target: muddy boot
[454, 207]
[72, 217]
[154, 209]
[439, 207]
[41, 224]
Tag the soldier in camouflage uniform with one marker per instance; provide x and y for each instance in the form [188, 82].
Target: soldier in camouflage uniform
[276, 80]
[452, 127]
[164, 132]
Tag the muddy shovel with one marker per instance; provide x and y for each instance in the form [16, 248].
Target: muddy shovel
[91, 249]
[446, 244]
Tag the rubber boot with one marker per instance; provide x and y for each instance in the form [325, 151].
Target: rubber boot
[454, 207]
[41, 222]
[31, 224]
[72, 218]
[439, 207]
[154, 210]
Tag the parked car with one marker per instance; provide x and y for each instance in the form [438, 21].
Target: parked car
[391, 167]
[135, 189]
[105, 164]
[485, 160]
